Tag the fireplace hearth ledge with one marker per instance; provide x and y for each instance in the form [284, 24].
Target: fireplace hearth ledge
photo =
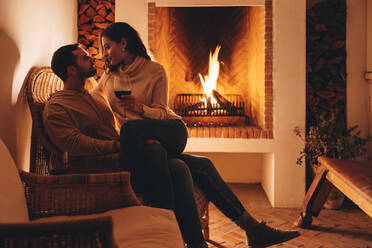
[230, 145]
[234, 132]
[203, 3]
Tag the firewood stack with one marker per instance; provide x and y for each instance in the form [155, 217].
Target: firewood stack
[93, 17]
[326, 58]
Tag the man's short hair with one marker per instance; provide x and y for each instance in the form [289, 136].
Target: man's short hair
[62, 58]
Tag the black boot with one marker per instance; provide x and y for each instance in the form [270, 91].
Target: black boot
[201, 245]
[262, 235]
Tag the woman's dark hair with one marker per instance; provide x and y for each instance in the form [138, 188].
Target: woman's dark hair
[119, 30]
[62, 58]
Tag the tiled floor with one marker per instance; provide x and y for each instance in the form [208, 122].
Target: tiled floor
[346, 228]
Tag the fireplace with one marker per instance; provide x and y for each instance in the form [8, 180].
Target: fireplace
[264, 150]
[183, 39]
[211, 108]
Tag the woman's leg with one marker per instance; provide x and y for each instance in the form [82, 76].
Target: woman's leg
[213, 186]
[172, 134]
[216, 190]
[185, 206]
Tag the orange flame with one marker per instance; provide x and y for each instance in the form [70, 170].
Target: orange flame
[209, 81]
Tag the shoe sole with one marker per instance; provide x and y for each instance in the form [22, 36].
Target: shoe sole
[295, 235]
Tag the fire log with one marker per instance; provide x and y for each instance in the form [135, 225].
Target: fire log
[195, 106]
[224, 102]
[209, 106]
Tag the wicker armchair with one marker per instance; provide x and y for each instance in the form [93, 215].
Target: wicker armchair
[76, 210]
[46, 158]
[90, 232]
[31, 196]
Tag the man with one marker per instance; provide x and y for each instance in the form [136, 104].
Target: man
[83, 124]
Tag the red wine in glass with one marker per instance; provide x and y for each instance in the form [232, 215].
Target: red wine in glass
[120, 93]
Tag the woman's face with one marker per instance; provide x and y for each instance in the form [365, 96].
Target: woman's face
[113, 51]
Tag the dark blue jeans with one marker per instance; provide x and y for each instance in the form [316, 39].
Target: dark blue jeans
[215, 189]
[190, 170]
[168, 182]
[185, 207]
[158, 187]
[172, 134]
[172, 183]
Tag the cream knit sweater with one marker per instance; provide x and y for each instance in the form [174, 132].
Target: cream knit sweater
[148, 82]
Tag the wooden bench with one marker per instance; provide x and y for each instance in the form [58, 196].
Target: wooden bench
[352, 178]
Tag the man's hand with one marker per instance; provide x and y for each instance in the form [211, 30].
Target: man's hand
[117, 144]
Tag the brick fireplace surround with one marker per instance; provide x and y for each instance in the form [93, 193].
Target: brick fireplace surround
[264, 129]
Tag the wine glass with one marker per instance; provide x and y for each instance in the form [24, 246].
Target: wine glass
[122, 88]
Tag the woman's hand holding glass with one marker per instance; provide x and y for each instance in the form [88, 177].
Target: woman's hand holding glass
[130, 103]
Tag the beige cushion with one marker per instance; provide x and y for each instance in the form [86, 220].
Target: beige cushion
[139, 227]
[143, 227]
[13, 207]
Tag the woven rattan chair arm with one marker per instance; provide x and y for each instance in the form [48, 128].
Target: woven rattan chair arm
[95, 164]
[122, 177]
[38, 127]
[77, 232]
[77, 194]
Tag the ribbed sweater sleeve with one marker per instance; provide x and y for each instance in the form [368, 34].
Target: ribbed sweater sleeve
[158, 107]
[64, 134]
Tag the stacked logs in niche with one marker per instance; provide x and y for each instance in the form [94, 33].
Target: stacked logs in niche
[93, 17]
[326, 59]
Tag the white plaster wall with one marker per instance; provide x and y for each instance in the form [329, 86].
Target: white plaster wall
[282, 180]
[133, 12]
[357, 94]
[30, 31]
[237, 167]
[369, 64]
[289, 100]
[267, 177]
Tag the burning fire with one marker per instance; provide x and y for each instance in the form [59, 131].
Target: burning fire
[209, 81]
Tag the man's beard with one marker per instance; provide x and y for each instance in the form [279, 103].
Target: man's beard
[86, 74]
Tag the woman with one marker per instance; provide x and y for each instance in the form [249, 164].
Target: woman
[131, 71]
[129, 63]
[143, 114]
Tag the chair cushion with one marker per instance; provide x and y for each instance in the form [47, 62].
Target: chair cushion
[13, 207]
[142, 227]
[139, 227]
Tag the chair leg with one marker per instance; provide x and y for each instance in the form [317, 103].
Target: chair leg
[314, 199]
[206, 226]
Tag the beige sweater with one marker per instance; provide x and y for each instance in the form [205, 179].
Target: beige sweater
[78, 124]
[148, 82]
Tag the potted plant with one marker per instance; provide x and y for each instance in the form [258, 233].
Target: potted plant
[330, 138]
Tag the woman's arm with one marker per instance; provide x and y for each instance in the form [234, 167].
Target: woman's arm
[159, 101]
[151, 99]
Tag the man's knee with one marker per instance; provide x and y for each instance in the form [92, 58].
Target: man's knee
[178, 168]
[181, 175]
[155, 155]
[205, 164]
